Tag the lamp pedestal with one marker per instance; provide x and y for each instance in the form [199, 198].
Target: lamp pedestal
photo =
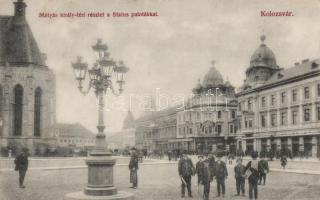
[100, 182]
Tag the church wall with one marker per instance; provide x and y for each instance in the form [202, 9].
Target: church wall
[29, 77]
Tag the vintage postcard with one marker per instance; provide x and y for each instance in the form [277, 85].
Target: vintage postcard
[159, 99]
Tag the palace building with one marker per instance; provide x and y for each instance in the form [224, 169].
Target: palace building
[206, 122]
[279, 108]
[27, 87]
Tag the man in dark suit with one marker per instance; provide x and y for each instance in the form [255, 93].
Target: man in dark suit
[205, 177]
[263, 169]
[133, 167]
[239, 171]
[21, 162]
[221, 173]
[186, 171]
[253, 177]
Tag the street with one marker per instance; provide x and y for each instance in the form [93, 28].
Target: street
[157, 181]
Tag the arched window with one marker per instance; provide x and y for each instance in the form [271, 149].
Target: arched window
[18, 110]
[37, 112]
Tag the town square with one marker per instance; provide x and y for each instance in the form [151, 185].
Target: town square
[106, 100]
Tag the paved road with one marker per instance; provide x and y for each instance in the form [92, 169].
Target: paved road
[156, 182]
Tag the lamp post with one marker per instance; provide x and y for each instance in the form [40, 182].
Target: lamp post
[100, 163]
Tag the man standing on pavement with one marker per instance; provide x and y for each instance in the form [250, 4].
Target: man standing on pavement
[263, 169]
[221, 173]
[186, 171]
[211, 165]
[239, 171]
[253, 176]
[205, 178]
[133, 167]
[21, 162]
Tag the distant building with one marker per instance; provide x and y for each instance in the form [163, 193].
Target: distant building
[124, 138]
[74, 136]
[279, 109]
[27, 87]
[205, 123]
[157, 130]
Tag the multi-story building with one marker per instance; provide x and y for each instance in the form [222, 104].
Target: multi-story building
[157, 130]
[208, 121]
[279, 108]
[27, 87]
[74, 137]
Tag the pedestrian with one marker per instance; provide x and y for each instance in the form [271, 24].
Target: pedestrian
[133, 167]
[212, 163]
[199, 166]
[21, 162]
[186, 171]
[252, 173]
[220, 173]
[205, 177]
[283, 161]
[263, 168]
[239, 172]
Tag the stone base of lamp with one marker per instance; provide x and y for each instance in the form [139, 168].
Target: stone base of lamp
[82, 196]
[100, 181]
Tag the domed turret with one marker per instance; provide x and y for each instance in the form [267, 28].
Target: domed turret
[263, 56]
[213, 78]
[262, 65]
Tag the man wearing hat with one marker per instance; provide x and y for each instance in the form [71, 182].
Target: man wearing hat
[205, 178]
[221, 173]
[239, 172]
[253, 175]
[186, 171]
[133, 167]
[263, 169]
[21, 162]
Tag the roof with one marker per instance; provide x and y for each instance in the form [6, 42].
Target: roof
[161, 113]
[263, 56]
[292, 72]
[128, 121]
[17, 44]
[212, 78]
[73, 130]
[295, 73]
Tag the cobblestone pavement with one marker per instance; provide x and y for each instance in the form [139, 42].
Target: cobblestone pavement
[156, 182]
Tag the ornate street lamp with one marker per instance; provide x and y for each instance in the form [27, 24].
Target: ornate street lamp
[100, 163]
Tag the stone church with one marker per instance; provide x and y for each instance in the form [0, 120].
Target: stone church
[27, 87]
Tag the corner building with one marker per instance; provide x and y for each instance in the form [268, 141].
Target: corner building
[27, 87]
[279, 108]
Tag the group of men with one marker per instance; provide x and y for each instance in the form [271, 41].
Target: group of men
[207, 169]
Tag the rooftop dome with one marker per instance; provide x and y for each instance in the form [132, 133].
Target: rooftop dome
[213, 77]
[263, 56]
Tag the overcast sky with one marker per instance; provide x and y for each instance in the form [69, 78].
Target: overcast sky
[171, 51]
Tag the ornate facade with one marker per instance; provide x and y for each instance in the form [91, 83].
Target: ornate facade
[206, 122]
[27, 87]
[279, 109]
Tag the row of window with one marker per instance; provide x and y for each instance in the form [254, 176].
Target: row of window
[76, 141]
[182, 118]
[284, 117]
[284, 97]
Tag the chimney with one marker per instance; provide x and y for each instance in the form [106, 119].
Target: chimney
[305, 60]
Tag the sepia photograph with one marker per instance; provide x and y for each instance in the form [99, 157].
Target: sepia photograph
[159, 99]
